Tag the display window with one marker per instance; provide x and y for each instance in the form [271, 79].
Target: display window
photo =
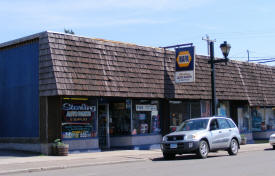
[145, 117]
[120, 118]
[263, 119]
[223, 109]
[244, 119]
[78, 118]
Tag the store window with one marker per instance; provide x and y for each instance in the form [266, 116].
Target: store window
[181, 111]
[120, 118]
[145, 117]
[244, 120]
[205, 108]
[223, 108]
[263, 119]
[78, 118]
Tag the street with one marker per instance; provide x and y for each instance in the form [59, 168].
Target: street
[256, 163]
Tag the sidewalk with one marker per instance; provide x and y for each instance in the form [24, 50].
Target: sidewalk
[19, 164]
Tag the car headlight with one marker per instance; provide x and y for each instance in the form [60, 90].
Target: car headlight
[164, 138]
[192, 137]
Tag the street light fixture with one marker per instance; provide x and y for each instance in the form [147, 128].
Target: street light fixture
[225, 47]
[225, 50]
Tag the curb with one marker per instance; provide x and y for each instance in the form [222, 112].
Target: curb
[67, 166]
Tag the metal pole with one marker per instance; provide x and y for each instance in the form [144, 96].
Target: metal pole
[247, 55]
[214, 105]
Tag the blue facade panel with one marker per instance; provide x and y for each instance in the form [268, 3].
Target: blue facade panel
[19, 91]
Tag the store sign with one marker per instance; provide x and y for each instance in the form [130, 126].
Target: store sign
[77, 112]
[146, 108]
[185, 64]
[77, 131]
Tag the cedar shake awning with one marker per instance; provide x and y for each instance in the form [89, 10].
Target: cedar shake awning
[80, 66]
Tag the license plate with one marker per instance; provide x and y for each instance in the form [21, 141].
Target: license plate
[173, 145]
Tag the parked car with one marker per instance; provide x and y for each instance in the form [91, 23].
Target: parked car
[201, 136]
[272, 140]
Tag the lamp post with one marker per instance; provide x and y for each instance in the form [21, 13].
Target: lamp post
[225, 50]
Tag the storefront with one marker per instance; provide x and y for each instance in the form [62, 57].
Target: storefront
[97, 94]
[104, 123]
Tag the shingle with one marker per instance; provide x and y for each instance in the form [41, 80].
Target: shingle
[96, 67]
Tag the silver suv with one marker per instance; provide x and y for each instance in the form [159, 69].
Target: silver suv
[201, 136]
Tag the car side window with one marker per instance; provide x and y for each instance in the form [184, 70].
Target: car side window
[223, 124]
[231, 124]
[214, 125]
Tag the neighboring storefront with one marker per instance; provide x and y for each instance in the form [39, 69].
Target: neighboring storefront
[263, 122]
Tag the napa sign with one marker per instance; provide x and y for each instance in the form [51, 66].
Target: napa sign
[185, 64]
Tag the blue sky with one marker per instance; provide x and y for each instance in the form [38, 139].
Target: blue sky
[245, 24]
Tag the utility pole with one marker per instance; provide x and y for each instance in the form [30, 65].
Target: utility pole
[207, 39]
[247, 55]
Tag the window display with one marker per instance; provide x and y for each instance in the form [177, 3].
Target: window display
[263, 119]
[145, 117]
[78, 118]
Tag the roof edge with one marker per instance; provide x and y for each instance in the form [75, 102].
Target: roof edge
[22, 39]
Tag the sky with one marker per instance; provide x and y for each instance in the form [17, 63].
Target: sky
[244, 24]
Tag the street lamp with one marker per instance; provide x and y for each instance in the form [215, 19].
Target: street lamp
[225, 50]
[225, 47]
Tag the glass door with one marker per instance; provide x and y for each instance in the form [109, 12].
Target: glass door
[103, 126]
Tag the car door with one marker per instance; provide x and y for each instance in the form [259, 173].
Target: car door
[225, 132]
[216, 135]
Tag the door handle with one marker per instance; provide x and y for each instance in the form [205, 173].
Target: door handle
[220, 131]
[230, 130]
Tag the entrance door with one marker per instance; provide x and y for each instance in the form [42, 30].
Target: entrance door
[103, 126]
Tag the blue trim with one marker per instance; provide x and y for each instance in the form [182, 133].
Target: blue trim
[76, 139]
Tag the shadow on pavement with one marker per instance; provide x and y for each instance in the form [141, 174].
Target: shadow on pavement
[185, 157]
[5, 153]
[268, 149]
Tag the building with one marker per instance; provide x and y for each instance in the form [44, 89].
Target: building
[97, 94]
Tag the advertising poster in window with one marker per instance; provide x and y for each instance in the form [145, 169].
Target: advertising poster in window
[78, 118]
[185, 64]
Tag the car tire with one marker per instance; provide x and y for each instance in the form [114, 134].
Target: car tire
[169, 156]
[233, 148]
[273, 147]
[203, 149]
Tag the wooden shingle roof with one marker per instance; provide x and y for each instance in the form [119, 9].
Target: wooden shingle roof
[72, 65]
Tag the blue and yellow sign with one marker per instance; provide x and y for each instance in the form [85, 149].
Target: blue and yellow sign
[185, 58]
[185, 64]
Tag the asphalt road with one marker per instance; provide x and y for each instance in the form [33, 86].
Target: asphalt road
[259, 163]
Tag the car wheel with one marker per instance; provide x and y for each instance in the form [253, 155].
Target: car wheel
[169, 156]
[273, 147]
[203, 149]
[233, 148]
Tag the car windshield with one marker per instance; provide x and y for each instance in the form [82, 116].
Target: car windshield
[194, 124]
